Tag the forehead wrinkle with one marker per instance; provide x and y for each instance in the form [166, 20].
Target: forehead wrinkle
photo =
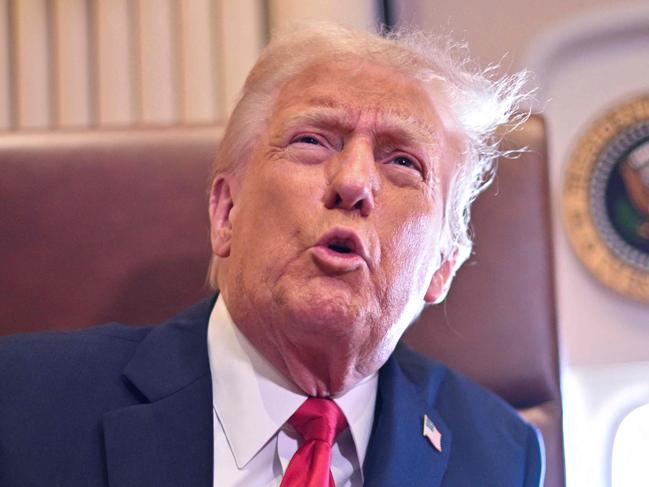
[393, 122]
[322, 116]
[390, 123]
[409, 131]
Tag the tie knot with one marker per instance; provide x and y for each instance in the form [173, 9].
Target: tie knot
[318, 419]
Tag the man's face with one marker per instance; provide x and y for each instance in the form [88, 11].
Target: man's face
[334, 227]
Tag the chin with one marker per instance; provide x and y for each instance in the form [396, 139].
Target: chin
[326, 312]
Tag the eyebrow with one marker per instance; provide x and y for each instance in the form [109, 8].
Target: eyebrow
[395, 125]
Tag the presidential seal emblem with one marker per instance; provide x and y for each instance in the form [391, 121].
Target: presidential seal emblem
[606, 198]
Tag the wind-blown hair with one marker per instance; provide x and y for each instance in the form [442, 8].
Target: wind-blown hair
[479, 101]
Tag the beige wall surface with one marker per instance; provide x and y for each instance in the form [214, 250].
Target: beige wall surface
[493, 28]
[363, 14]
[99, 63]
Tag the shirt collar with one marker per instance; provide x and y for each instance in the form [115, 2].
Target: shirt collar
[253, 400]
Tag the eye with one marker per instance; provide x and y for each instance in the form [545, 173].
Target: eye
[407, 162]
[306, 139]
[404, 161]
[402, 164]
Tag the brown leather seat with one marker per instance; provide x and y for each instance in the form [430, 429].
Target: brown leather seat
[112, 225]
[100, 226]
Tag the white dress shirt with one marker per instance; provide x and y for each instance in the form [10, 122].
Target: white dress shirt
[253, 401]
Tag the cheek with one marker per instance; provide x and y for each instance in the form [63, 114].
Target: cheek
[412, 250]
[275, 210]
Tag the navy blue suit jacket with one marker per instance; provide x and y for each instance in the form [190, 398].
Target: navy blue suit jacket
[132, 407]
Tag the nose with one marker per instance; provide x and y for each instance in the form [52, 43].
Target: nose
[353, 180]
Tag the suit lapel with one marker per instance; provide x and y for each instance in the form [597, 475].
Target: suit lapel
[167, 440]
[398, 453]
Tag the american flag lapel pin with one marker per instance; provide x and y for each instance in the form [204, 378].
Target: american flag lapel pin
[432, 434]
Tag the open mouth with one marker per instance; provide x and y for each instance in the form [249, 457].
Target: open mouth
[341, 248]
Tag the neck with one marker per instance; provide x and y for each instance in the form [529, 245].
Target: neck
[320, 364]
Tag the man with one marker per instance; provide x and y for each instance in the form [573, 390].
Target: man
[338, 208]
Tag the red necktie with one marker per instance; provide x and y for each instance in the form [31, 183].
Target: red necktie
[318, 421]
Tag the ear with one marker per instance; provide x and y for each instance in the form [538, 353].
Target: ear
[441, 281]
[220, 210]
